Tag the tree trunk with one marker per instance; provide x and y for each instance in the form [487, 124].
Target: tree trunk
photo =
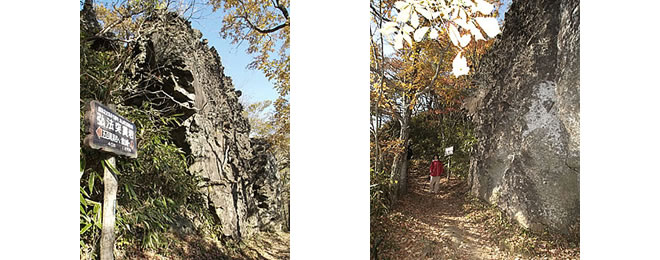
[378, 161]
[400, 163]
[109, 203]
[403, 178]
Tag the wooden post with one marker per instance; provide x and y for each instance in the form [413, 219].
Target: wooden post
[113, 134]
[448, 165]
[109, 203]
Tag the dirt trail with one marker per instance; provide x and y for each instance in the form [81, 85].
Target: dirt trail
[271, 246]
[424, 225]
[262, 246]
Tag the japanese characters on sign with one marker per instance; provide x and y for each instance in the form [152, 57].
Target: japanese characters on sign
[449, 150]
[110, 132]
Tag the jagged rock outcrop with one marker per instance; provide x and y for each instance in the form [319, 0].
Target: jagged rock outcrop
[526, 112]
[267, 186]
[88, 22]
[175, 69]
[90, 27]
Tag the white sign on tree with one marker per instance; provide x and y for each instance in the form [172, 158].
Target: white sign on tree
[449, 150]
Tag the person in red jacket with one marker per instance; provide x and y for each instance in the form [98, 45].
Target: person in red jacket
[437, 169]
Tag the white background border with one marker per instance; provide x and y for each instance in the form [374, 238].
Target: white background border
[329, 131]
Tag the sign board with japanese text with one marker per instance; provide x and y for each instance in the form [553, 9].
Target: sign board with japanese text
[109, 131]
[449, 150]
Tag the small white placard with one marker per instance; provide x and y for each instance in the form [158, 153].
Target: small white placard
[449, 150]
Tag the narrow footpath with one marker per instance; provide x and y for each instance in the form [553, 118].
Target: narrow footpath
[450, 225]
[262, 246]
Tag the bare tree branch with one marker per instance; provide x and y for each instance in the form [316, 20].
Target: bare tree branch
[285, 13]
[378, 14]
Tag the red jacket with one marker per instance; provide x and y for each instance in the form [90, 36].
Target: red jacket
[437, 169]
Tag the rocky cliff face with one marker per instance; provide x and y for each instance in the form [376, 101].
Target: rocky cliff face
[267, 184]
[178, 72]
[526, 111]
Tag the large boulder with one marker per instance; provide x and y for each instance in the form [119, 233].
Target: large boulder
[526, 112]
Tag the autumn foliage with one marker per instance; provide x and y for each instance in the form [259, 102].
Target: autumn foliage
[416, 92]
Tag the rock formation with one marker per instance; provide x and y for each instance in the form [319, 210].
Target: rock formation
[526, 112]
[172, 67]
[267, 185]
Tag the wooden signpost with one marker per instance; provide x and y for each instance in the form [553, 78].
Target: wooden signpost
[109, 131]
[448, 152]
[112, 133]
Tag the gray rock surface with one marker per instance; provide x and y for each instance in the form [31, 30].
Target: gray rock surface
[90, 27]
[184, 76]
[88, 22]
[267, 186]
[526, 112]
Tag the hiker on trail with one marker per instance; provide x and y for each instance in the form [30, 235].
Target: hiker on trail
[437, 169]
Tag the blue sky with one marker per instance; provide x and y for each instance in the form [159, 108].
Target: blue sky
[506, 4]
[252, 83]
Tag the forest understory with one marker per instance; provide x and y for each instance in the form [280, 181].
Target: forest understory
[452, 224]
